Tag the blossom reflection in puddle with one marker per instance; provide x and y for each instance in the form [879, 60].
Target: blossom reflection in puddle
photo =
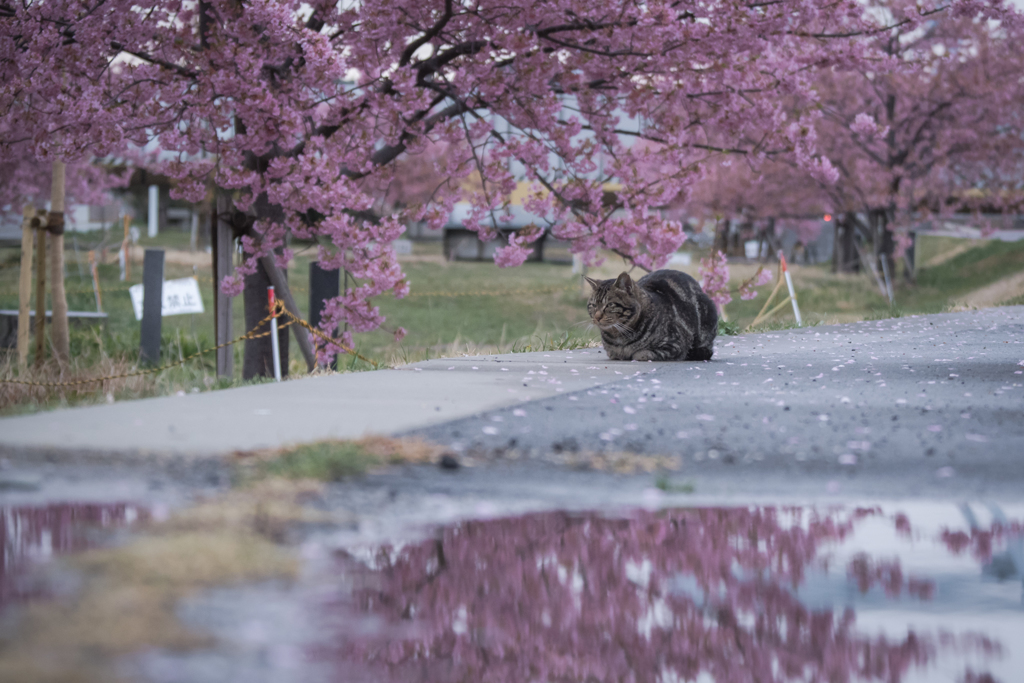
[716, 594]
[33, 534]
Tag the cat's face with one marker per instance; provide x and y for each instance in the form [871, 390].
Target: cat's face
[614, 304]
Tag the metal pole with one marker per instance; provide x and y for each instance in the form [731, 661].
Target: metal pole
[792, 292]
[275, 351]
[888, 279]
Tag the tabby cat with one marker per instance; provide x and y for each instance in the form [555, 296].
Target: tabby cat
[662, 316]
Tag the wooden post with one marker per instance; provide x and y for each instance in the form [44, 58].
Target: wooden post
[910, 265]
[323, 285]
[193, 236]
[40, 296]
[25, 286]
[59, 335]
[126, 249]
[223, 266]
[94, 270]
[152, 306]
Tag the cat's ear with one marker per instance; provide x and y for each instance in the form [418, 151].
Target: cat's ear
[593, 283]
[624, 282]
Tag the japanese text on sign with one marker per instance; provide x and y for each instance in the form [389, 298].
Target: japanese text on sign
[179, 297]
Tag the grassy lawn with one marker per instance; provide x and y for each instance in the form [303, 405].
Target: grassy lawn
[454, 308]
[827, 298]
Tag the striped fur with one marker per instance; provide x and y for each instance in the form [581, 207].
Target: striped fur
[663, 316]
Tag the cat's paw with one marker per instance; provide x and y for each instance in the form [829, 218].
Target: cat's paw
[644, 355]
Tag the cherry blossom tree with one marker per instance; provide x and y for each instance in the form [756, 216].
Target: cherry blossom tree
[289, 107]
[939, 125]
[761, 199]
[28, 180]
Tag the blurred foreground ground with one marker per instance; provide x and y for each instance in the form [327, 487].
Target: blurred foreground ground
[846, 500]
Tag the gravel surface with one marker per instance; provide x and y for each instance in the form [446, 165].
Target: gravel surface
[918, 405]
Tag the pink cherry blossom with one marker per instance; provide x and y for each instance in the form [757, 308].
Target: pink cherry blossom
[714, 278]
[345, 122]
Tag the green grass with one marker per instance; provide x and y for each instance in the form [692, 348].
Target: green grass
[932, 246]
[968, 271]
[729, 327]
[885, 313]
[665, 484]
[324, 460]
[827, 298]
[440, 316]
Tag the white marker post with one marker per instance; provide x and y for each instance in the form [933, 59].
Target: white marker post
[273, 334]
[792, 292]
[153, 226]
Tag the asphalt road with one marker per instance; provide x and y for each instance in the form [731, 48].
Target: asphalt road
[918, 405]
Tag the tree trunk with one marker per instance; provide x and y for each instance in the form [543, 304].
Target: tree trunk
[769, 238]
[222, 243]
[25, 286]
[259, 359]
[266, 211]
[40, 329]
[59, 327]
[886, 244]
[844, 250]
[721, 242]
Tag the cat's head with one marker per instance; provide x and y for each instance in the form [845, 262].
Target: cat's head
[614, 304]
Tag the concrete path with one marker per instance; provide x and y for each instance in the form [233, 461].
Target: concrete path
[341, 406]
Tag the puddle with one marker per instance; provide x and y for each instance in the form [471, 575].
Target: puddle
[908, 593]
[921, 593]
[32, 535]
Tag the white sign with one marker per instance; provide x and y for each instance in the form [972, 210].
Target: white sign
[180, 297]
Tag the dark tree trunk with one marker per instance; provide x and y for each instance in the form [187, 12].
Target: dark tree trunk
[768, 237]
[259, 360]
[722, 235]
[886, 246]
[883, 246]
[323, 285]
[844, 250]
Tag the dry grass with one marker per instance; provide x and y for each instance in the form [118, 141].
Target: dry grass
[617, 462]
[96, 355]
[27, 397]
[334, 460]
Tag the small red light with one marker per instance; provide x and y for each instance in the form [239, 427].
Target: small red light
[828, 217]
